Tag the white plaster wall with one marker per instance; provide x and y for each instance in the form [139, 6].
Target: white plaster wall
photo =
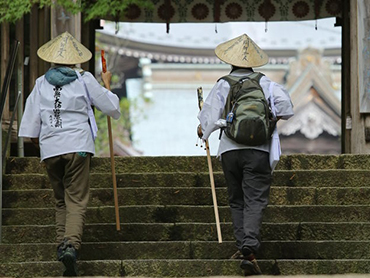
[166, 126]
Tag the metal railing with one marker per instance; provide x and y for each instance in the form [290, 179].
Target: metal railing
[4, 92]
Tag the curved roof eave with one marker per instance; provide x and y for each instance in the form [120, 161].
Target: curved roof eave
[200, 37]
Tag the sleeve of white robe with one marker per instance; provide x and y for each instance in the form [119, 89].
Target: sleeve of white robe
[31, 121]
[103, 99]
[213, 107]
[282, 101]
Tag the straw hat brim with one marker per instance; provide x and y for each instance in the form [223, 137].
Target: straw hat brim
[64, 49]
[242, 52]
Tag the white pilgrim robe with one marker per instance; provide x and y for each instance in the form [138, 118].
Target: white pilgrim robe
[213, 107]
[58, 116]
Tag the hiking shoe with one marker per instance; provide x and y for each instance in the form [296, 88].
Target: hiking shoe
[69, 261]
[249, 263]
[60, 251]
[237, 256]
[67, 255]
[250, 267]
[246, 251]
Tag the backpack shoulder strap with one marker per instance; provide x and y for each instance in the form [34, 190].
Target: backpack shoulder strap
[256, 76]
[79, 77]
[90, 112]
[232, 80]
[235, 79]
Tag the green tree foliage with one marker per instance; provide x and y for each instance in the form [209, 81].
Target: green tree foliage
[120, 129]
[113, 8]
[12, 10]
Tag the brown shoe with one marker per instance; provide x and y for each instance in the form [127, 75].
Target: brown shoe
[237, 256]
[250, 267]
[249, 263]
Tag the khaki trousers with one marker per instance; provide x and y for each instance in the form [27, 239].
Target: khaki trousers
[69, 177]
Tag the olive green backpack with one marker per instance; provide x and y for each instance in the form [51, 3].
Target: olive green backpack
[247, 112]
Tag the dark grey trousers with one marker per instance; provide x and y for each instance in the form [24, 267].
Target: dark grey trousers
[248, 177]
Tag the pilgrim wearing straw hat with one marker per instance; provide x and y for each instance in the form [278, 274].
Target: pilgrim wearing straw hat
[247, 168]
[59, 118]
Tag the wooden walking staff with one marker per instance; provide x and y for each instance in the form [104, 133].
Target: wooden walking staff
[213, 189]
[118, 226]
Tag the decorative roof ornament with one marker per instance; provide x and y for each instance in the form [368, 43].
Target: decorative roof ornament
[267, 11]
[317, 8]
[242, 52]
[167, 11]
[311, 121]
[65, 50]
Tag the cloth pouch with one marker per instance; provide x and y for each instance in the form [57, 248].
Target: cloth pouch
[275, 148]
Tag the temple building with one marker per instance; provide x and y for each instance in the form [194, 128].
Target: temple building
[351, 18]
[159, 73]
[313, 85]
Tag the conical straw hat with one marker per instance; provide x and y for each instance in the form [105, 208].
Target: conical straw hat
[64, 49]
[241, 52]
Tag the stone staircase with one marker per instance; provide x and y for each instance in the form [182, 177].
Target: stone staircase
[318, 220]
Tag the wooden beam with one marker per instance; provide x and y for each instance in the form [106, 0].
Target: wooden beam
[34, 45]
[44, 36]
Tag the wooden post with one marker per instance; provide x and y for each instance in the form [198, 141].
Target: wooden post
[19, 69]
[34, 45]
[359, 122]
[4, 45]
[62, 21]
[88, 40]
[44, 36]
[5, 48]
[346, 81]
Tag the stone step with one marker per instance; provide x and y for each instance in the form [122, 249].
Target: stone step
[184, 268]
[293, 178]
[279, 195]
[313, 161]
[305, 250]
[18, 165]
[317, 222]
[104, 180]
[193, 214]
[106, 232]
